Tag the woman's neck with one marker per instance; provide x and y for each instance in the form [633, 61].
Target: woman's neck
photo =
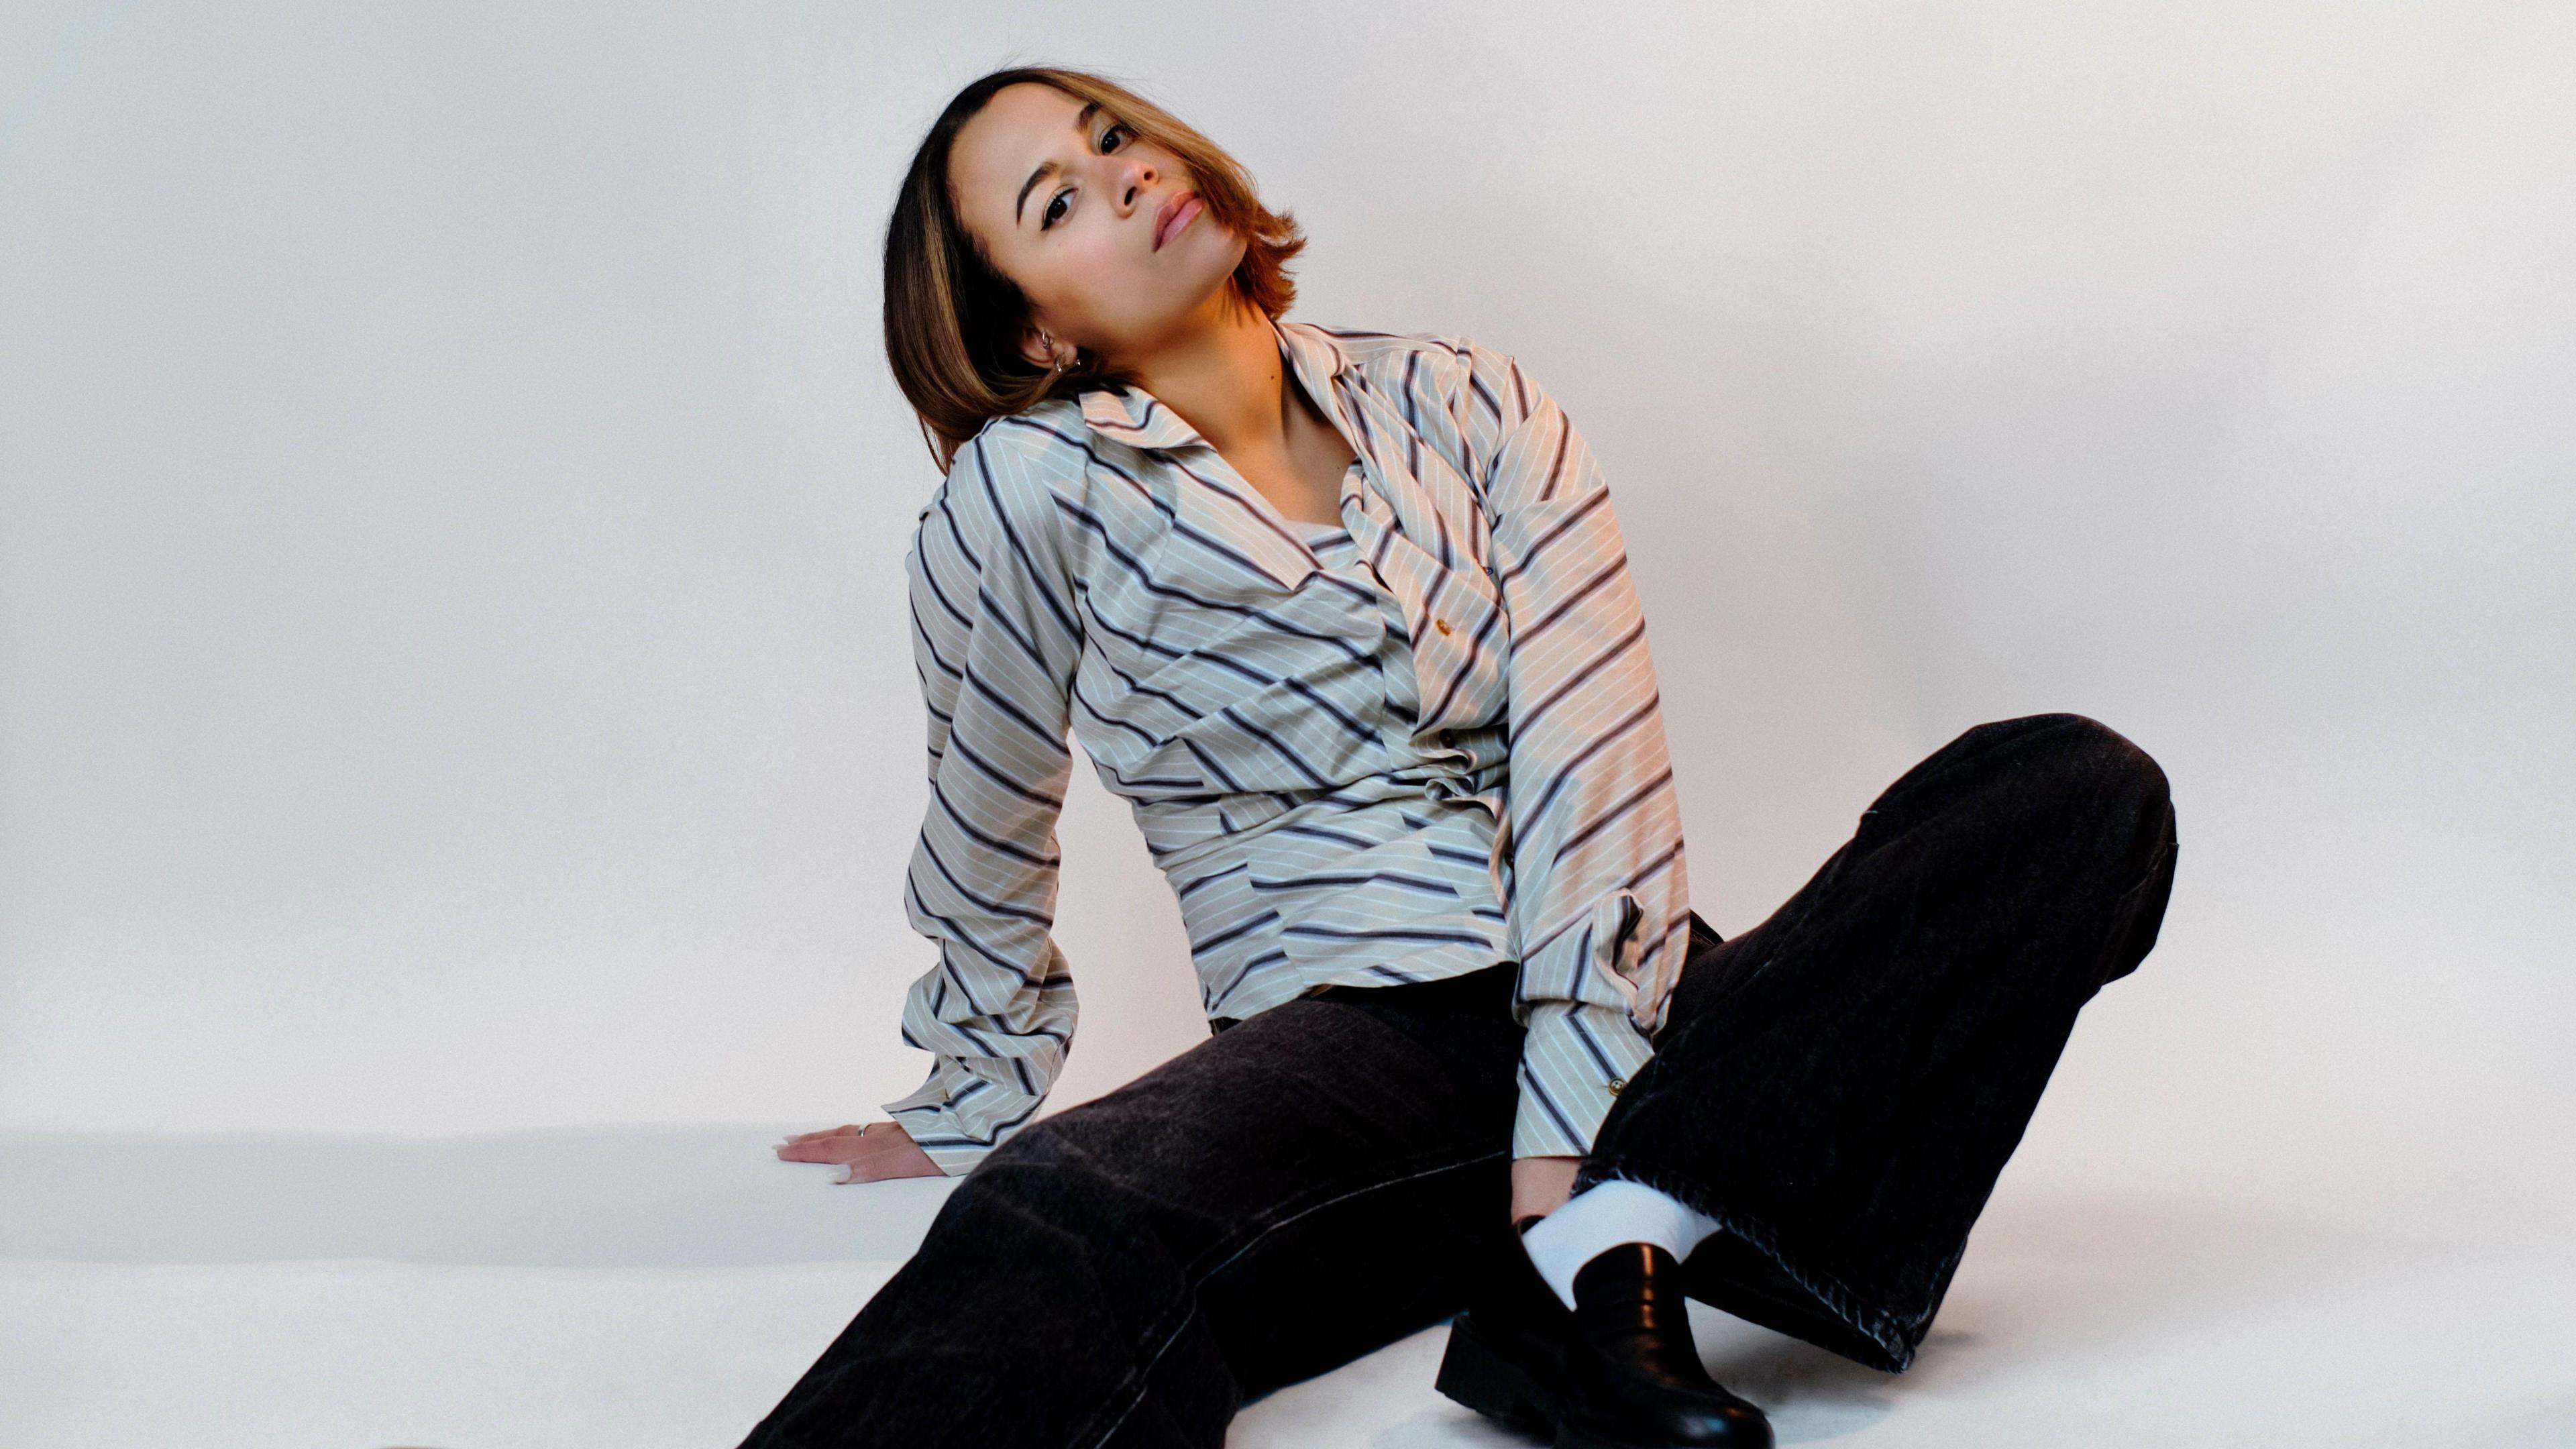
[1224, 376]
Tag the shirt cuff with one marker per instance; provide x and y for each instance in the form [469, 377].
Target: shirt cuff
[1574, 1061]
[957, 1119]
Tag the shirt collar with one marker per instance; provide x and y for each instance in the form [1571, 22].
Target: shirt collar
[1131, 415]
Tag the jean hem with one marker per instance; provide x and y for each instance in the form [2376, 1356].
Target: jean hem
[1890, 1331]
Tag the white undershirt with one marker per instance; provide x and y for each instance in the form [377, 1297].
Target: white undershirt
[1603, 1216]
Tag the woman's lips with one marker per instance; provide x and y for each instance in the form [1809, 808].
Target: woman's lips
[1176, 213]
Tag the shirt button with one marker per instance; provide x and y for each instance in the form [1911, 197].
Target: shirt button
[1616, 1083]
[1440, 624]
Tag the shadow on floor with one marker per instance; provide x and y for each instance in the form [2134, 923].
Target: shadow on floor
[695, 1198]
[2041, 1277]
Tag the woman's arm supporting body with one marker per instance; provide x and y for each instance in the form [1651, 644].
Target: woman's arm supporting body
[1600, 908]
[996, 644]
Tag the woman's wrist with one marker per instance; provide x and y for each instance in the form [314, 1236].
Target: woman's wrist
[1541, 1185]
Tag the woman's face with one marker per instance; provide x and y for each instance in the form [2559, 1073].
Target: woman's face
[1065, 200]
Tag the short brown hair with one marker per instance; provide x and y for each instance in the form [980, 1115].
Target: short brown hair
[951, 318]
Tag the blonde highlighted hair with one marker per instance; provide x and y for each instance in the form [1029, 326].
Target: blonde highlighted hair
[952, 320]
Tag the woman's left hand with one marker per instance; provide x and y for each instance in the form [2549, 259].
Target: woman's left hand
[863, 1156]
[1540, 1185]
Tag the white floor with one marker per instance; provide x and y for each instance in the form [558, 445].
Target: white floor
[662, 1289]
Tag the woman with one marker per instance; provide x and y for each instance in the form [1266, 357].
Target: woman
[1345, 617]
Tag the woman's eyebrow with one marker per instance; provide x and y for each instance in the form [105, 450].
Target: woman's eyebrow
[1081, 123]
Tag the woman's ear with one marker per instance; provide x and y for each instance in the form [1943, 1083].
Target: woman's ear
[1041, 349]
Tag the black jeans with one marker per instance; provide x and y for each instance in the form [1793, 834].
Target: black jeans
[1839, 1087]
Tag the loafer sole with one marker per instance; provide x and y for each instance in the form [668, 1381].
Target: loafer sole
[1488, 1376]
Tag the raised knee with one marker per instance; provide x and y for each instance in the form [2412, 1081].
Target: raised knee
[2118, 762]
[2079, 754]
[2072, 777]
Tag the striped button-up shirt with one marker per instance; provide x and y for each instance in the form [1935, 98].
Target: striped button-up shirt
[1416, 744]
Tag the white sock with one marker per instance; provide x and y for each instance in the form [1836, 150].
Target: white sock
[1609, 1213]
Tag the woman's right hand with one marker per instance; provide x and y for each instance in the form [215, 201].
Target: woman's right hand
[871, 1153]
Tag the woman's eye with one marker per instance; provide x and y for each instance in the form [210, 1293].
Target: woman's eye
[1047, 218]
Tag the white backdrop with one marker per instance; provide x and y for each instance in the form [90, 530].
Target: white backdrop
[453, 671]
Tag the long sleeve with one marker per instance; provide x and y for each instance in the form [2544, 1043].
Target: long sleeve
[996, 642]
[1600, 908]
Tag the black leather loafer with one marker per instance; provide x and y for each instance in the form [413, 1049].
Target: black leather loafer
[1619, 1372]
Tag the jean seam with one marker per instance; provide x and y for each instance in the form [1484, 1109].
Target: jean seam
[1138, 1376]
